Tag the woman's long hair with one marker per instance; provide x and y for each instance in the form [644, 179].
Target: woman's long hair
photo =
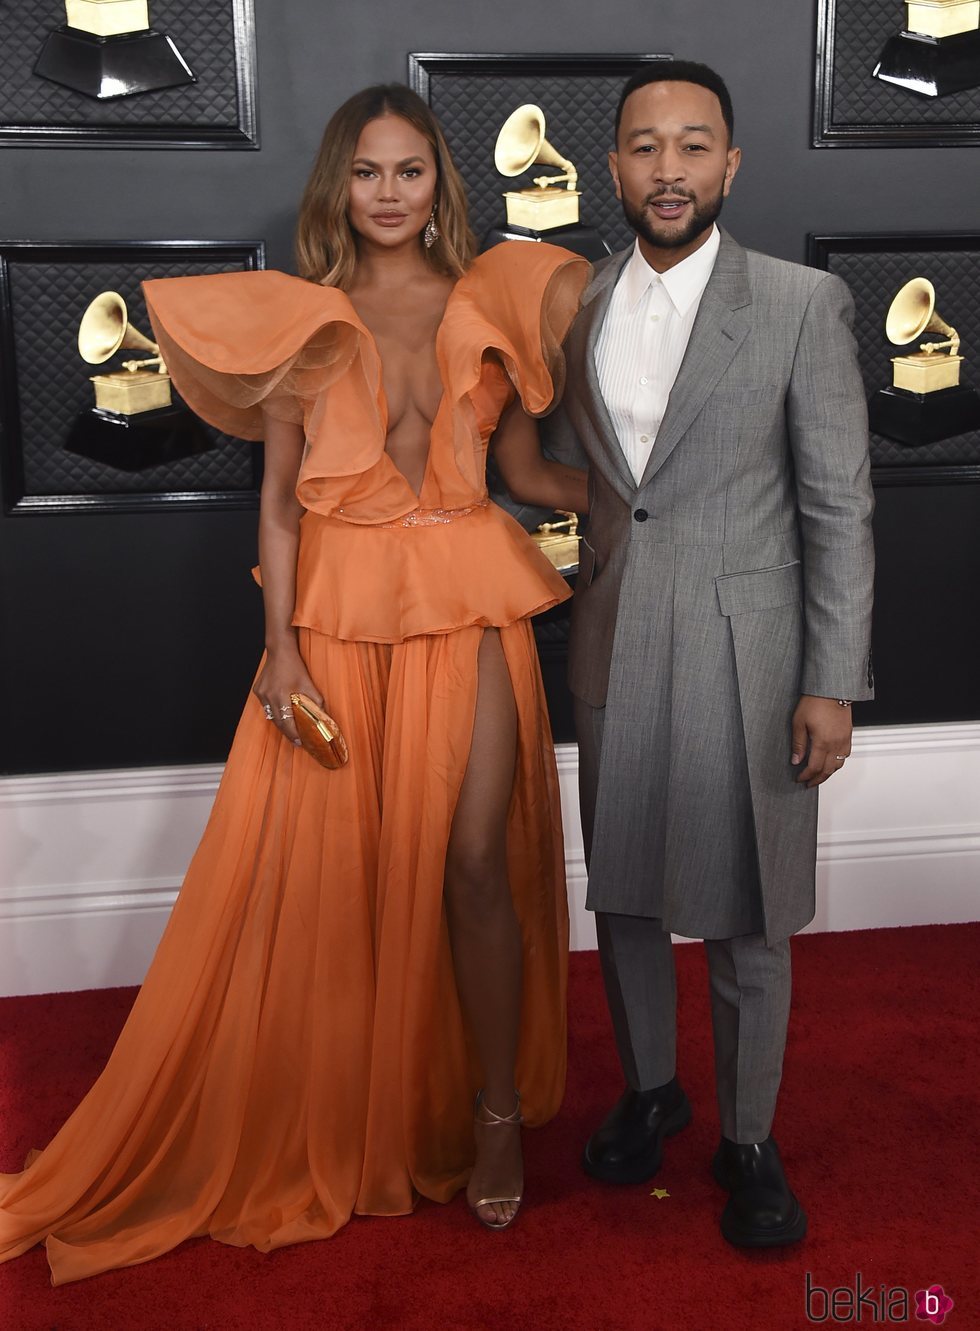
[326, 247]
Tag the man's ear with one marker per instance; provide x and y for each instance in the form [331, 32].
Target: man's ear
[734, 158]
[614, 172]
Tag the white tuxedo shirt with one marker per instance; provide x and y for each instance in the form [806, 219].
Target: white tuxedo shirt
[642, 342]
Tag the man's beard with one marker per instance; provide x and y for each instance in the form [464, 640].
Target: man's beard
[702, 216]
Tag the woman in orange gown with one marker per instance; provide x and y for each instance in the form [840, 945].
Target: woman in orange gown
[355, 953]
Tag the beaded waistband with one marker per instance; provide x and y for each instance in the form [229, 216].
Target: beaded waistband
[433, 517]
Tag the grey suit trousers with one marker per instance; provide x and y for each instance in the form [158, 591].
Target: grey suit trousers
[749, 986]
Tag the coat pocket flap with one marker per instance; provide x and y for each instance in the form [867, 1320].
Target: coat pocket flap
[760, 589]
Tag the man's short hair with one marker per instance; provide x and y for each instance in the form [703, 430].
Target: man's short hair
[680, 71]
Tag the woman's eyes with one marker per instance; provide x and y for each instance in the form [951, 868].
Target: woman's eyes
[365, 173]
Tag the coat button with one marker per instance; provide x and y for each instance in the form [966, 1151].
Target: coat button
[641, 515]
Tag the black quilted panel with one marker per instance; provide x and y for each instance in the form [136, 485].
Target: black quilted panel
[48, 299]
[862, 29]
[553, 633]
[579, 110]
[874, 280]
[204, 33]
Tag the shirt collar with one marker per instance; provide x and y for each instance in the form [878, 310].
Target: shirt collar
[684, 283]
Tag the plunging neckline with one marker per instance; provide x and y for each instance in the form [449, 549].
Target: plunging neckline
[383, 397]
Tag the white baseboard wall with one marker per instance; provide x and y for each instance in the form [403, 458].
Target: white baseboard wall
[90, 862]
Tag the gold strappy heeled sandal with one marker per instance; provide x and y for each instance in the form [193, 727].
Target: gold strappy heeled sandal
[493, 1120]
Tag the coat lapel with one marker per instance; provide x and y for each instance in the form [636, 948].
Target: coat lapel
[595, 303]
[720, 327]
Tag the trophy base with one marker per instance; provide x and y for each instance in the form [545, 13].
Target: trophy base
[542, 209]
[924, 418]
[107, 67]
[135, 443]
[131, 393]
[584, 240]
[931, 66]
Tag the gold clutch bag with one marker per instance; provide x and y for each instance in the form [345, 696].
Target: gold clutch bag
[319, 733]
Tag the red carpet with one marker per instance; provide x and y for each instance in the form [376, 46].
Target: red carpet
[877, 1125]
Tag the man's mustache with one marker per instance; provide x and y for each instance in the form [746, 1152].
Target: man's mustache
[669, 194]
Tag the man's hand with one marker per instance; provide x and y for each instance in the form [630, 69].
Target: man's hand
[821, 734]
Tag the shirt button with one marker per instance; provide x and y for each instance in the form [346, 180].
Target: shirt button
[644, 379]
[654, 318]
[641, 515]
[644, 438]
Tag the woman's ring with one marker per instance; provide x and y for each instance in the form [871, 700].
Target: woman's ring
[285, 711]
[268, 711]
[841, 757]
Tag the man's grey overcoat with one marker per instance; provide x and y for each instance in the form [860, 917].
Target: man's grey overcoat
[734, 578]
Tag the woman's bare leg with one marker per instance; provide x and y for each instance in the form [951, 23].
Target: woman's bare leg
[483, 928]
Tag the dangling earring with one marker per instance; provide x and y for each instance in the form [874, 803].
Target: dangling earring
[432, 232]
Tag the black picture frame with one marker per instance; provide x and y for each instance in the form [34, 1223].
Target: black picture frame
[218, 111]
[472, 94]
[853, 109]
[875, 265]
[44, 289]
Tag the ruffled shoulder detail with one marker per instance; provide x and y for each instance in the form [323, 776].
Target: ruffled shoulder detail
[518, 300]
[236, 343]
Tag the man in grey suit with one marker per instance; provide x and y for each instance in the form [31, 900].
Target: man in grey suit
[721, 626]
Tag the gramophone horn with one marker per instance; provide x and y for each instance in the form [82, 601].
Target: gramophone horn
[913, 312]
[105, 329]
[521, 143]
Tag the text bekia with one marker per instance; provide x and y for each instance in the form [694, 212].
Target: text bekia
[875, 1303]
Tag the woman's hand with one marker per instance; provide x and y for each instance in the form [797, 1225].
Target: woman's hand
[284, 673]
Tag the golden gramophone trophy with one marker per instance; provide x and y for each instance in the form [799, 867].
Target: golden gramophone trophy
[926, 401]
[104, 330]
[134, 423]
[549, 208]
[937, 52]
[108, 49]
[559, 541]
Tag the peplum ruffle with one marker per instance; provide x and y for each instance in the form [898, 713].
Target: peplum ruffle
[387, 584]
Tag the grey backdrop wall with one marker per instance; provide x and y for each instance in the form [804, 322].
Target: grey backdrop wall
[131, 638]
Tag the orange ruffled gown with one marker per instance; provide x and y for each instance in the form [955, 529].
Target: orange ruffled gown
[297, 1052]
